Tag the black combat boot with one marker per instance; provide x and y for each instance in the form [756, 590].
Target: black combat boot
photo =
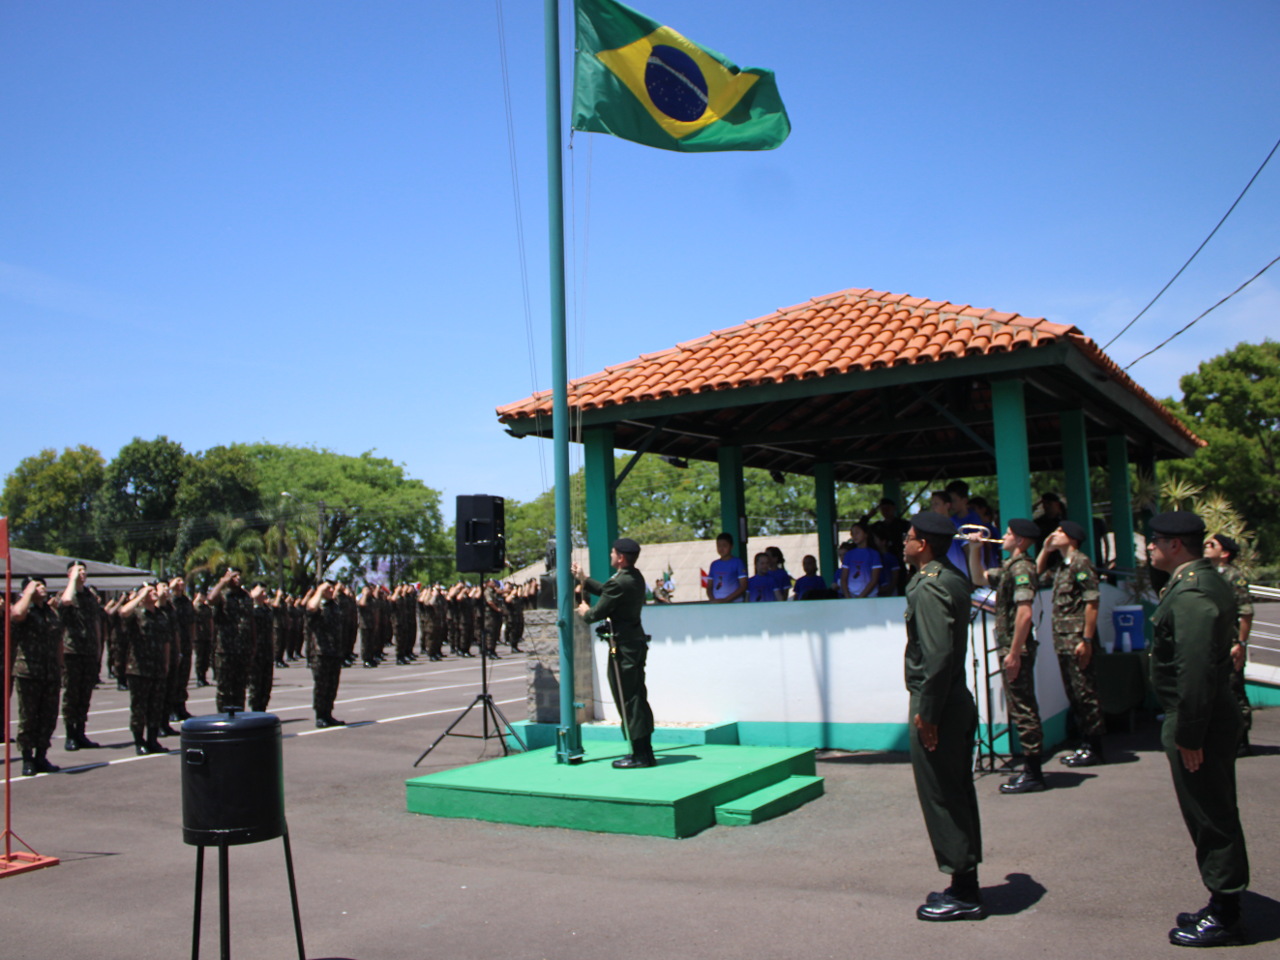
[1089, 754]
[73, 739]
[28, 763]
[42, 763]
[1030, 780]
[153, 741]
[83, 742]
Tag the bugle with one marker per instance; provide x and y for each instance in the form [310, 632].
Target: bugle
[961, 533]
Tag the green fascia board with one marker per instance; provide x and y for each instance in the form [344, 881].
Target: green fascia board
[998, 364]
[1262, 694]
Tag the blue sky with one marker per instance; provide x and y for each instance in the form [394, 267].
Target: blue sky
[294, 221]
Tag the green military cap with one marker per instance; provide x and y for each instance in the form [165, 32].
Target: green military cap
[1177, 523]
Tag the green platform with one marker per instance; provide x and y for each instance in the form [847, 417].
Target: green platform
[677, 798]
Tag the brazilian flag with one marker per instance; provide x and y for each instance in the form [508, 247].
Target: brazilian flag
[641, 81]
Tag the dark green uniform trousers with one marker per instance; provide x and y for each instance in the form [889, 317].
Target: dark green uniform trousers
[633, 698]
[1207, 799]
[944, 784]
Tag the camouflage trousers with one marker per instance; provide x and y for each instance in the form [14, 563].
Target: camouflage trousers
[1082, 691]
[432, 640]
[147, 697]
[1020, 697]
[1242, 698]
[368, 645]
[233, 676]
[260, 678]
[203, 655]
[37, 712]
[326, 672]
[79, 674]
[179, 676]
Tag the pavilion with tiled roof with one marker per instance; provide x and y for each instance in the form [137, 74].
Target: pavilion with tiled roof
[871, 387]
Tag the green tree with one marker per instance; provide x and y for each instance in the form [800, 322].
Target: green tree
[1232, 401]
[235, 544]
[360, 507]
[49, 500]
[135, 510]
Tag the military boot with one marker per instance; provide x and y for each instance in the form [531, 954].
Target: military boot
[28, 763]
[153, 741]
[73, 740]
[1030, 780]
[83, 742]
[1089, 754]
[42, 763]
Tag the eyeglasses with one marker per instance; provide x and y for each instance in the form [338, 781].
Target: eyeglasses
[907, 538]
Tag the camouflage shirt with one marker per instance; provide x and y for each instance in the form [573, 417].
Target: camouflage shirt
[326, 629]
[1014, 582]
[1240, 585]
[147, 652]
[37, 644]
[233, 614]
[1075, 586]
[183, 612]
[80, 620]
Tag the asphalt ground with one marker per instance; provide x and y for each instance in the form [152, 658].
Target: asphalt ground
[1095, 867]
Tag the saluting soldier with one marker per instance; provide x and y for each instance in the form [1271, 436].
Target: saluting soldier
[325, 621]
[1075, 633]
[184, 616]
[203, 638]
[233, 617]
[491, 607]
[260, 667]
[37, 673]
[1222, 551]
[943, 716]
[621, 600]
[1014, 582]
[81, 616]
[147, 668]
[368, 613]
[1193, 630]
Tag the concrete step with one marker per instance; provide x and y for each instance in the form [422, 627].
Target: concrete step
[769, 802]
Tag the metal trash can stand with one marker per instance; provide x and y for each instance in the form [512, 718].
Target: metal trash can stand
[232, 779]
[233, 793]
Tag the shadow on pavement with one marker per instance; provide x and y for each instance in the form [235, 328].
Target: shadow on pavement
[1019, 892]
[1261, 918]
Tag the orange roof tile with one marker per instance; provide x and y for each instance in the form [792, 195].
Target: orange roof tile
[857, 328]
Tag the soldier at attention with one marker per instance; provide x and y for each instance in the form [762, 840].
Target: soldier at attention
[1193, 630]
[943, 717]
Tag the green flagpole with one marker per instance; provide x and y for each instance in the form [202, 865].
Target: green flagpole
[568, 735]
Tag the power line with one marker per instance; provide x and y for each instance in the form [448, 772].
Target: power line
[1207, 312]
[1192, 257]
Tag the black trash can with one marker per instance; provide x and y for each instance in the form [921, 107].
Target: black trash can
[232, 779]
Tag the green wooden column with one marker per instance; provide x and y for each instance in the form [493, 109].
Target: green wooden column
[733, 495]
[602, 500]
[1075, 462]
[1121, 500]
[1013, 458]
[824, 495]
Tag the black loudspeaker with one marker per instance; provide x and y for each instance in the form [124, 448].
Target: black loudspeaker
[482, 545]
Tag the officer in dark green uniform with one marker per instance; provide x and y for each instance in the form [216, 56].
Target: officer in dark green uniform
[943, 716]
[1193, 630]
[1014, 582]
[621, 600]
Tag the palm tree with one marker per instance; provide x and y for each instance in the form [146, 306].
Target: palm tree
[235, 544]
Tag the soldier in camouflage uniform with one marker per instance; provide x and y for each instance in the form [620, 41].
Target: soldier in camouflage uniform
[349, 620]
[260, 675]
[36, 635]
[325, 620]
[233, 653]
[367, 605]
[513, 602]
[203, 641]
[184, 616]
[1075, 633]
[491, 609]
[147, 668]
[1222, 551]
[1014, 582]
[81, 617]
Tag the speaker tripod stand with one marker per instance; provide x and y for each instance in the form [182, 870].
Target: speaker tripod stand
[493, 720]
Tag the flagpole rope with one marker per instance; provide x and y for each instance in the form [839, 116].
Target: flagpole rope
[521, 246]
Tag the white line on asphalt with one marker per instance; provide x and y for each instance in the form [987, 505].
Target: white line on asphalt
[287, 736]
